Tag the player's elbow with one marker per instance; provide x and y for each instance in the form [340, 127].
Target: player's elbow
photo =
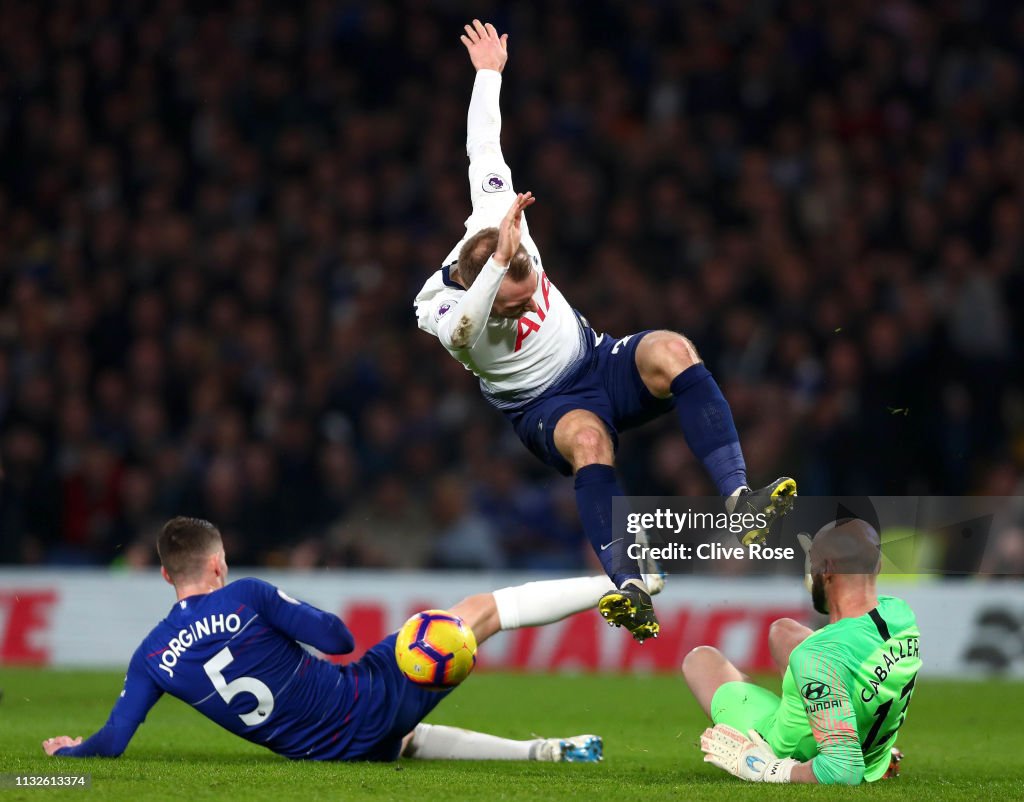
[852, 776]
[481, 147]
[462, 334]
[339, 637]
[847, 772]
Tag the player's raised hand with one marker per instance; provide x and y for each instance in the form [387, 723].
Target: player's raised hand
[510, 232]
[487, 50]
[51, 745]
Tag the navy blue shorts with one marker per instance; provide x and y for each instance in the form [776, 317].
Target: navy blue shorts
[405, 704]
[609, 385]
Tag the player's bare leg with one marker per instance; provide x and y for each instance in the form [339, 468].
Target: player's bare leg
[480, 614]
[581, 437]
[784, 635]
[583, 440]
[661, 356]
[669, 365]
[705, 670]
[533, 604]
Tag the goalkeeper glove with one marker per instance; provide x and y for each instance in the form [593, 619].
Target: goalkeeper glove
[750, 759]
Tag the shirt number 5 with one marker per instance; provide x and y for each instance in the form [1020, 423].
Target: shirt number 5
[229, 690]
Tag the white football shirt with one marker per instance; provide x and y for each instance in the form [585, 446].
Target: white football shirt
[516, 360]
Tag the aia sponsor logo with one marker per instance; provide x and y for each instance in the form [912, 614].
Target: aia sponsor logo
[526, 325]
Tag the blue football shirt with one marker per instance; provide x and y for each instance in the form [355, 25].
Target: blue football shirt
[234, 655]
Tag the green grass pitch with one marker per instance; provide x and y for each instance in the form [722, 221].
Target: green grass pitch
[962, 741]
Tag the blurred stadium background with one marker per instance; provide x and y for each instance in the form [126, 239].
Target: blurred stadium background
[214, 217]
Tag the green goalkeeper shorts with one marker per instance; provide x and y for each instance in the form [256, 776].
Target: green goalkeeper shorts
[746, 706]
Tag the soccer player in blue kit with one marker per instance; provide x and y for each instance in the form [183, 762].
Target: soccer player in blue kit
[232, 652]
[566, 389]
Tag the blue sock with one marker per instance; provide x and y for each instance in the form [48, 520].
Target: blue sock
[596, 486]
[708, 427]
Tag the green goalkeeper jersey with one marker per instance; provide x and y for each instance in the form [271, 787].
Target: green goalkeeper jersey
[846, 693]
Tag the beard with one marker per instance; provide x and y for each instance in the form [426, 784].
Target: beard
[818, 598]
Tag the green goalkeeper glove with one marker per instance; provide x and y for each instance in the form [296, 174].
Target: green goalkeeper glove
[750, 759]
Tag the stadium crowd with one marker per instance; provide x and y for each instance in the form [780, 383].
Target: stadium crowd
[214, 218]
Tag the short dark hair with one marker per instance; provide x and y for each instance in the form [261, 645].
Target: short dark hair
[475, 252]
[183, 545]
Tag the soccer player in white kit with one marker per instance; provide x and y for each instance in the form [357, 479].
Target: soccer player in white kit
[567, 389]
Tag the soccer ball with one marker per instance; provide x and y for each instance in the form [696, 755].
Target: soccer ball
[435, 649]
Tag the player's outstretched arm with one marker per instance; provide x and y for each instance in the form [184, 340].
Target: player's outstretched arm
[490, 179]
[139, 695]
[488, 52]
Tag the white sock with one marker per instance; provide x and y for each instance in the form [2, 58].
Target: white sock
[437, 742]
[734, 497]
[650, 571]
[537, 603]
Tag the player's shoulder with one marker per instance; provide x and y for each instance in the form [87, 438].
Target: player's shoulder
[246, 582]
[848, 638]
[831, 644]
[438, 283]
[438, 296]
[432, 285]
[155, 641]
[896, 612]
[156, 636]
[826, 639]
[249, 586]
[259, 592]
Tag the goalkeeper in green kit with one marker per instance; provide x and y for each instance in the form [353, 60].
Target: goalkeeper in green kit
[846, 688]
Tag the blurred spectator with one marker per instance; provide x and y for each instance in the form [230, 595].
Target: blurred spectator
[465, 538]
[213, 221]
[1005, 557]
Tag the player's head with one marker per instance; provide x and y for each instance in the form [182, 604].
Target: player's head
[192, 552]
[842, 554]
[515, 295]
